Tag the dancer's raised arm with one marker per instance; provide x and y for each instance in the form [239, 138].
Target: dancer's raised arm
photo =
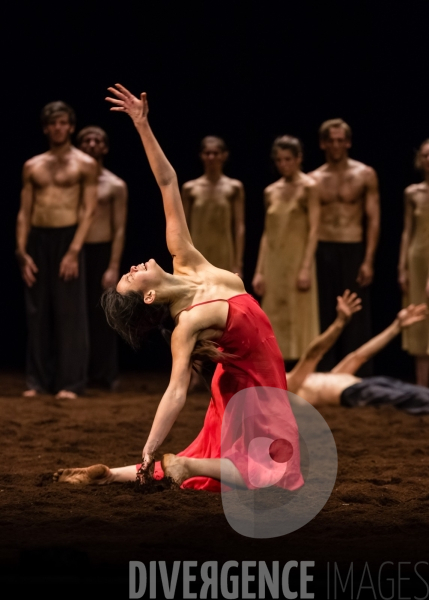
[347, 305]
[179, 240]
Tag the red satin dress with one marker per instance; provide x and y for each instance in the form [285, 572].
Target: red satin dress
[257, 361]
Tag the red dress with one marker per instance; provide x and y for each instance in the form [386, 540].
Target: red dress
[257, 361]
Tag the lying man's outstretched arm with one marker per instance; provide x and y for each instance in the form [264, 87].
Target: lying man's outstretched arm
[347, 305]
[406, 317]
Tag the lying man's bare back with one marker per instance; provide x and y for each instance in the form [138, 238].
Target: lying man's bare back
[341, 386]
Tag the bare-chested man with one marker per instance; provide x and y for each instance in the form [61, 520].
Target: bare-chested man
[103, 252]
[58, 201]
[214, 209]
[348, 235]
[341, 386]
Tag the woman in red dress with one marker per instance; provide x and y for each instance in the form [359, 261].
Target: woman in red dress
[215, 318]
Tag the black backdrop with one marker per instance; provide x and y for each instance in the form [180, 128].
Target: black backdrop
[244, 70]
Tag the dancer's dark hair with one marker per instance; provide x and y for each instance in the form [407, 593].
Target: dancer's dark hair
[418, 158]
[286, 142]
[326, 126]
[132, 318]
[49, 111]
[92, 129]
[213, 139]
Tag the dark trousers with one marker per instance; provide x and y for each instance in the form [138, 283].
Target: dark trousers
[57, 350]
[337, 268]
[380, 391]
[103, 359]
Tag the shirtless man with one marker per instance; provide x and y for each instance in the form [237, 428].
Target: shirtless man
[214, 209]
[58, 201]
[341, 386]
[104, 245]
[348, 235]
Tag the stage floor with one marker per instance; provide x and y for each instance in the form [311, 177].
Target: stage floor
[378, 511]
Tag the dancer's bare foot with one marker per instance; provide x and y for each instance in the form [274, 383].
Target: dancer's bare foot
[97, 474]
[29, 393]
[175, 468]
[65, 395]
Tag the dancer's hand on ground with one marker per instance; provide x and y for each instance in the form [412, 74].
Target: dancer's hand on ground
[69, 266]
[125, 102]
[303, 283]
[348, 304]
[403, 281]
[110, 278]
[258, 284]
[145, 473]
[28, 268]
[365, 275]
[412, 314]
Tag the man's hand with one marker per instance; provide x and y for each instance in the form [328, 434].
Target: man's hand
[347, 305]
[126, 102]
[69, 266]
[403, 281]
[28, 268]
[258, 284]
[303, 283]
[365, 275]
[145, 473]
[412, 314]
[110, 278]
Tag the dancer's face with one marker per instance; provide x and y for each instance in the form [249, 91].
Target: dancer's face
[143, 278]
[287, 164]
[213, 156]
[94, 144]
[58, 129]
[424, 158]
[336, 145]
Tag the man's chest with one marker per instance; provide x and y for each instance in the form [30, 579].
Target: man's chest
[58, 174]
[344, 189]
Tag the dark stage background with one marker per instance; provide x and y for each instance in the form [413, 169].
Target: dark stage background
[245, 71]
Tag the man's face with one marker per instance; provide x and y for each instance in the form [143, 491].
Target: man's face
[212, 156]
[336, 145]
[58, 129]
[287, 164]
[424, 158]
[94, 144]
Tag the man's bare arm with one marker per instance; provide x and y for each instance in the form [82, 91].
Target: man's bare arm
[372, 212]
[69, 266]
[239, 229]
[405, 242]
[23, 226]
[119, 219]
[347, 305]
[406, 317]
[304, 276]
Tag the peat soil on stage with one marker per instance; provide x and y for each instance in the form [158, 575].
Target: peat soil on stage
[378, 511]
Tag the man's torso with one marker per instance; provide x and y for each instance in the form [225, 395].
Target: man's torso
[57, 188]
[101, 229]
[326, 388]
[342, 198]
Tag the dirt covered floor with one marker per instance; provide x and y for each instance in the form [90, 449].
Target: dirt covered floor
[378, 511]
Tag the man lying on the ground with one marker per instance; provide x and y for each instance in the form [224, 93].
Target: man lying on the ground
[340, 386]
